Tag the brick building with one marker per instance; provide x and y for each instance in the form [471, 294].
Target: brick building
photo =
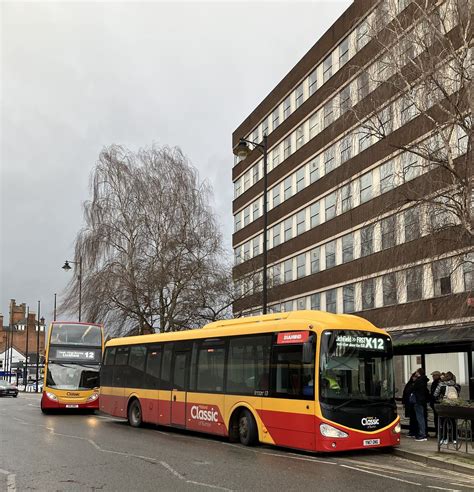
[340, 236]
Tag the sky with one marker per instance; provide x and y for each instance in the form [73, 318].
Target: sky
[78, 76]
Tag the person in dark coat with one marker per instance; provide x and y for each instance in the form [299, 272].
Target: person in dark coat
[410, 407]
[447, 389]
[436, 375]
[421, 397]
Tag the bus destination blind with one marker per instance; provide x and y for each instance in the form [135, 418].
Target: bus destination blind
[73, 354]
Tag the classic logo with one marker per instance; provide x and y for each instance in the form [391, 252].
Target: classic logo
[198, 413]
[369, 421]
[70, 393]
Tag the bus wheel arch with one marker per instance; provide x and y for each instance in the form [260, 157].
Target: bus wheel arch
[243, 426]
[134, 412]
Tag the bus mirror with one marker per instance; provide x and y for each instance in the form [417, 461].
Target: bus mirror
[308, 356]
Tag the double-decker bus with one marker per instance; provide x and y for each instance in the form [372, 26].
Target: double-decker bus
[72, 365]
[306, 379]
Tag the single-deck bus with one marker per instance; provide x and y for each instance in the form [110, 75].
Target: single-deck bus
[306, 379]
[72, 364]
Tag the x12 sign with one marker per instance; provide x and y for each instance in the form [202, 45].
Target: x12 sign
[292, 337]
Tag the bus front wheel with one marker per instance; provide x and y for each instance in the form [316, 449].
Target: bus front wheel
[248, 431]
[135, 414]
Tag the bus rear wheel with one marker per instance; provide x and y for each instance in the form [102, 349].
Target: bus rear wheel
[135, 414]
[248, 431]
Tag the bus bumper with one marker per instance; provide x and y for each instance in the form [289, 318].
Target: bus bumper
[358, 440]
[49, 404]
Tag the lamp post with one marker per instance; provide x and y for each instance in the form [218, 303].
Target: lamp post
[25, 374]
[242, 150]
[37, 346]
[67, 267]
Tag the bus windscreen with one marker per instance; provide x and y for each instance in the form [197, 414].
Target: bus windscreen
[76, 334]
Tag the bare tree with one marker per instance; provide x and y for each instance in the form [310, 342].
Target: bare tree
[151, 248]
[424, 69]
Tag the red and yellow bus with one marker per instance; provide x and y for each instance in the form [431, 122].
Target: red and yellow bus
[72, 366]
[306, 379]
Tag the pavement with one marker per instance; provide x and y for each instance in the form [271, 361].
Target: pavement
[78, 452]
[427, 452]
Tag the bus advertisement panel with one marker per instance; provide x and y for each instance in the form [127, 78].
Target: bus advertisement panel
[307, 380]
[73, 358]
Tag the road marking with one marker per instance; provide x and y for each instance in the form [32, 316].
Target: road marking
[172, 470]
[441, 488]
[11, 480]
[380, 475]
[208, 485]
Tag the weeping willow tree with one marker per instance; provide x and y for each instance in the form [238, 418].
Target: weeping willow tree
[151, 249]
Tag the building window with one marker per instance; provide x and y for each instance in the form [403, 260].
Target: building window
[287, 147]
[276, 195]
[345, 99]
[276, 275]
[237, 188]
[288, 228]
[329, 161]
[287, 306]
[330, 203]
[246, 215]
[346, 197]
[256, 246]
[363, 85]
[408, 110]
[315, 260]
[255, 173]
[442, 277]
[348, 298]
[410, 166]
[468, 272]
[365, 139]
[247, 251]
[301, 265]
[301, 303]
[313, 82]
[288, 270]
[389, 288]
[328, 113]
[275, 118]
[299, 94]
[385, 122]
[414, 281]
[367, 240]
[331, 301]
[343, 52]
[386, 177]
[314, 125]
[314, 170]
[314, 214]
[327, 68]
[389, 232]
[238, 221]
[286, 107]
[330, 254]
[300, 179]
[347, 247]
[299, 137]
[362, 35]
[276, 156]
[288, 187]
[265, 127]
[368, 294]
[276, 235]
[316, 301]
[247, 180]
[346, 148]
[412, 224]
[300, 222]
[365, 187]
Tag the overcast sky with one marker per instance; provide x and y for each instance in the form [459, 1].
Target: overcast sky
[78, 76]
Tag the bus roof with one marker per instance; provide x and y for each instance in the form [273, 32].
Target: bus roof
[293, 320]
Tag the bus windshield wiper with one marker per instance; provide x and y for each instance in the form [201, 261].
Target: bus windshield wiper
[347, 403]
[382, 402]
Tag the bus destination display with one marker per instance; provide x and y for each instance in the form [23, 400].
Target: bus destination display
[360, 342]
[67, 354]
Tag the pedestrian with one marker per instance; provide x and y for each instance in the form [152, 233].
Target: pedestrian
[447, 389]
[436, 376]
[420, 397]
[408, 402]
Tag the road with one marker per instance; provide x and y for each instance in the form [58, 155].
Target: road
[96, 452]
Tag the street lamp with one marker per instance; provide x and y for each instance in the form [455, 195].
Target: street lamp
[242, 150]
[67, 267]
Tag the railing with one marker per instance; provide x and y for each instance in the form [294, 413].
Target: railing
[455, 428]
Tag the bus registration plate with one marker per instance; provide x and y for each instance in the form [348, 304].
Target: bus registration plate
[72, 406]
[371, 442]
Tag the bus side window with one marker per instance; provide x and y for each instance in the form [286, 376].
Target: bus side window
[153, 363]
[165, 382]
[120, 369]
[136, 364]
[106, 371]
[210, 367]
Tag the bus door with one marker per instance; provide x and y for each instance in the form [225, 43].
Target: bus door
[180, 370]
[119, 382]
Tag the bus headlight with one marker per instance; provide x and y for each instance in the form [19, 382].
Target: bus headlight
[51, 396]
[93, 397]
[397, 429]
[330, 431]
